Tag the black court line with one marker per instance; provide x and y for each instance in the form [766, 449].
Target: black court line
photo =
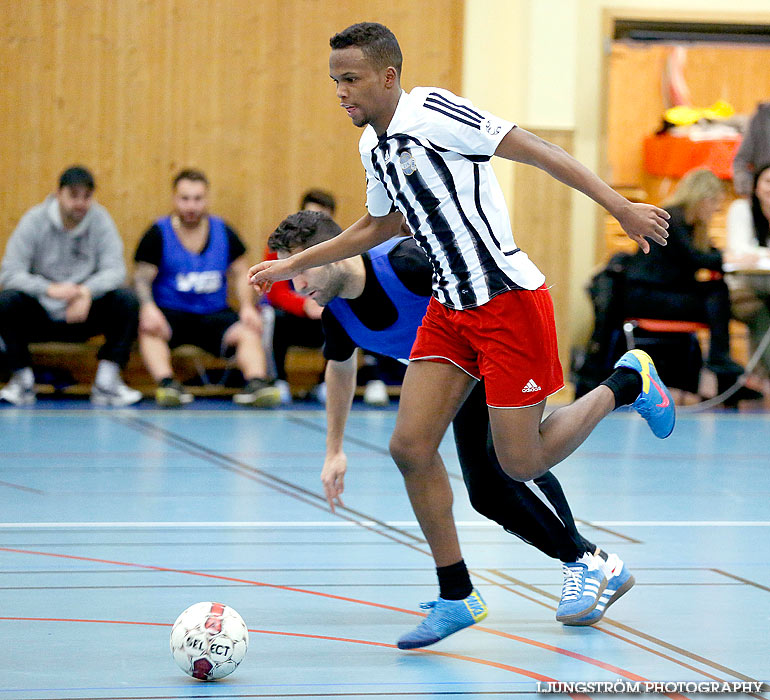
[302, 494]
[385, 694]
[107, 456]
[748, 582]
[19, 487]
[632, 630]
[687, 654]
[265, 478]
[248, 543]
[627, 538]
[371, 446]
[306, 584]
[415, 569]
[681, 457]
[305, 422]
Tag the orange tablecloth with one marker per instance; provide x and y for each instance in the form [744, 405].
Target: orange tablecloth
[673, 156]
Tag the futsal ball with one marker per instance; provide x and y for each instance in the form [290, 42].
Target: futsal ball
[209, 640]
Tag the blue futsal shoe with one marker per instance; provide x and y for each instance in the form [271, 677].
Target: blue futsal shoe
[445, 617]
[654, 404]
[584, 582]
[621, 581]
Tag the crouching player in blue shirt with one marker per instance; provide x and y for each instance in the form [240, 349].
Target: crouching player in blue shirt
[376, 302]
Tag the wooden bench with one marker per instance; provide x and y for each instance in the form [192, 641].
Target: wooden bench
[304, 366]
[78, 361]
[72, 367]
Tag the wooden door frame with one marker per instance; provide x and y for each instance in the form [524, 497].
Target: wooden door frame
[610, 15]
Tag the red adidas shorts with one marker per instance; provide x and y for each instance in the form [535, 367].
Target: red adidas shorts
[510, 341]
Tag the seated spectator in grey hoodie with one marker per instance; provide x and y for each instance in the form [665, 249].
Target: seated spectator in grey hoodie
[754, 150]
[62, 277]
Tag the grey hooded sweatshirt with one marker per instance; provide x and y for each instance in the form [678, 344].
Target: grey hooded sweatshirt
[41, 251]
[754, 151]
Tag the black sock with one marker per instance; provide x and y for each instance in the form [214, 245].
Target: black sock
[166, 381]
[625, 384]
[453, 581]
[601, 553]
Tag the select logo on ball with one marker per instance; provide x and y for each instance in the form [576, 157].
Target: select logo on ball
[209, 640]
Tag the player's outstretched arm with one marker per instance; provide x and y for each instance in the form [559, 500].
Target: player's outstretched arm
[366, 233]
[340, 380]
[639, 221]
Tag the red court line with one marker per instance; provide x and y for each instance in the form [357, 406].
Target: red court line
[604, 630]
[488, 630]
[681, 663]
[460, 657]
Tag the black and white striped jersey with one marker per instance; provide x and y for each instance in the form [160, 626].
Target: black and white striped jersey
[432, 164]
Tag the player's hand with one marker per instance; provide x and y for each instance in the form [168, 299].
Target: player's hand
[333, 478]
[153, 322]
[79, 306]
[642, 221]
[250, 317]
[262, 275]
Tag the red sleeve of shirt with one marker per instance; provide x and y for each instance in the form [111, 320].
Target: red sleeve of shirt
[282, 296]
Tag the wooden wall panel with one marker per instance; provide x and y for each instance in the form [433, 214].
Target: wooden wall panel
[542, 211]
[137, 89]
[737, 74]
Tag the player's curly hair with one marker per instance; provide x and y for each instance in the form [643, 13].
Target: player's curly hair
[302, 230]
[377, 42]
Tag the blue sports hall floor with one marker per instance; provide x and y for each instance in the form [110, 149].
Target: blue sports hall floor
[114, 521]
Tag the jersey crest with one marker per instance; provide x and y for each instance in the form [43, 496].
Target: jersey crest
[407, 162]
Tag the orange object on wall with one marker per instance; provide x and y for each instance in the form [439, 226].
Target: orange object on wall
[673, 156]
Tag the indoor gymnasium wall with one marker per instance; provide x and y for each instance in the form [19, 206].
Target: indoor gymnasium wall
[591, 64]
[512, 69]
[736, 74]
[137, 89]
[542, 209]
[543, 65]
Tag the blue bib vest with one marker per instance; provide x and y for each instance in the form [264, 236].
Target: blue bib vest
[395, 341]
[192, 282]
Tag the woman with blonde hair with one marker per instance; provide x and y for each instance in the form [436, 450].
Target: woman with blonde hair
[683, 280]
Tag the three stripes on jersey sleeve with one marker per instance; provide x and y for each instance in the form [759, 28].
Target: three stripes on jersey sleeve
[460, 113]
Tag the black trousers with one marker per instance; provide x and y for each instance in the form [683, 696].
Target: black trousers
[708, 302]
[290, 331]
[518, 506]
[23, 321]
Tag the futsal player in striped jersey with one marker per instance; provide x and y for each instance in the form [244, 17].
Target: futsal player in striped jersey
[426, 156]
[378, 300]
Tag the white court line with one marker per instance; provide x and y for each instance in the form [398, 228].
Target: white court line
[278, 524]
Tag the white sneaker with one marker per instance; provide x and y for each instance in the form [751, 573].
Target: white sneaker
[285, 389]
[116, 394]
[584, 581]
[318, 393]
[16, 393]
[619, 581]
[376, 393]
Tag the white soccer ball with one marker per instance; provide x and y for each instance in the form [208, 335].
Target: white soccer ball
[209, 640]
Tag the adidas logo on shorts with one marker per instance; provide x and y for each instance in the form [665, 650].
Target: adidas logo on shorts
[530, 387]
